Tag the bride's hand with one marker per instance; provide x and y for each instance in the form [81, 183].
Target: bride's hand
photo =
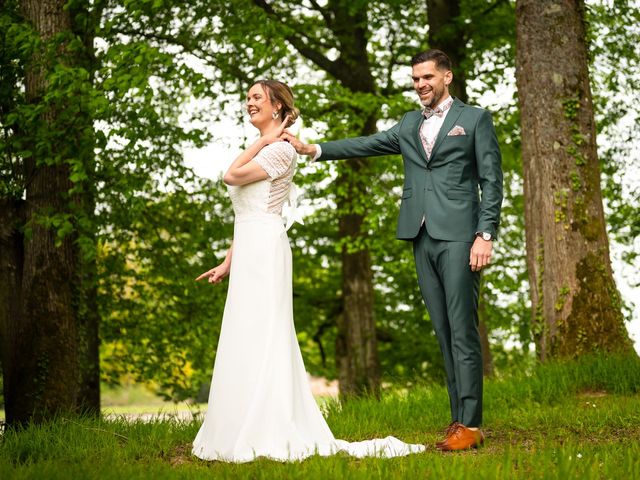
[275, 136]
[216, 274]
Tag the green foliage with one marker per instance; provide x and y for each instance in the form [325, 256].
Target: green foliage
[158, 325]
[35, 130]
[142, 73]
[160, 226]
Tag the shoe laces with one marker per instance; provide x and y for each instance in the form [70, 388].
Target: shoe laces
[453, 426]
[457, 430]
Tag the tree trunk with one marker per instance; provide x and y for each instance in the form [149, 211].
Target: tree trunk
[89, 343]
[446, 34]
[575, 304]
[12, 343]
[357, 348]
[42, 369]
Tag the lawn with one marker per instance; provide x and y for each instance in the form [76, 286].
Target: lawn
[574, 420]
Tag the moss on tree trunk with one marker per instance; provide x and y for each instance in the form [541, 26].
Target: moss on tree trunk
[575, 304]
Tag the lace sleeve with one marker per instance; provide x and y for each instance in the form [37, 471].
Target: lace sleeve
[276, 159]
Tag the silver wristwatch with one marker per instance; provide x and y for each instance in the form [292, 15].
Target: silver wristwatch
[486, 236]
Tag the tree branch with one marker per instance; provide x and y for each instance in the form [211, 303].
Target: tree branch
[327, 18]
[296, 41]
[491, 8]
[392, 60]
[186, 48]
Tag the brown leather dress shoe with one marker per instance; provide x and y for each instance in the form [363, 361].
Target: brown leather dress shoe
[462, 438]
[447, 433]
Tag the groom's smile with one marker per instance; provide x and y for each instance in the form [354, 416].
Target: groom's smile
[424, 95]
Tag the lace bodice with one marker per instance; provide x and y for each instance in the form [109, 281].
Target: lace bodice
[269, 195]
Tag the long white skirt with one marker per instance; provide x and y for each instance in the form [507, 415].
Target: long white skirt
[260, 402]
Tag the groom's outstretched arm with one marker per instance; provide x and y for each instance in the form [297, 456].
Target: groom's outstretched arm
[382, 143]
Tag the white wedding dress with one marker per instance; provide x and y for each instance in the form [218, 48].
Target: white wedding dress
[260, 404]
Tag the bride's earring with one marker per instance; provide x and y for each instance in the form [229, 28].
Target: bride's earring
[275, 115]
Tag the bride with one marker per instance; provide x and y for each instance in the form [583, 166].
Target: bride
[260, 402]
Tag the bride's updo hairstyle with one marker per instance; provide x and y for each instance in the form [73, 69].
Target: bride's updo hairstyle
[281, 93]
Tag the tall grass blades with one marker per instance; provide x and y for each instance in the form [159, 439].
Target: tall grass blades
[571, 420]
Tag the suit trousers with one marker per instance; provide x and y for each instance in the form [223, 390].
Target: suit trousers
[450, 292]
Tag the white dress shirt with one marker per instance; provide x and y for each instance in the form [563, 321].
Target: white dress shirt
[431, 126]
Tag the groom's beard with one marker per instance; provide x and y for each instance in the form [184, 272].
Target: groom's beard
[436, 98]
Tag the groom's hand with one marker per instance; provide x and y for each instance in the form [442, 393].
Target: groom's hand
[301, 148]
[480, 255]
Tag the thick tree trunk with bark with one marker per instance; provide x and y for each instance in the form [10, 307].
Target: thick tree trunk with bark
[575, 304]
[41, 293]
[89, 342]
[12, 343]
[357, 349]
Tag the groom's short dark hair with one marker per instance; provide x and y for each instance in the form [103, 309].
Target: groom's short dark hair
[438, 56]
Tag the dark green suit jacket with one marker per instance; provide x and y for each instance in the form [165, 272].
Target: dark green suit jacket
[444, 188]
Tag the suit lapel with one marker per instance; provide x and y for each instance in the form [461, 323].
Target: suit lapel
[449, 122]
[416, 136]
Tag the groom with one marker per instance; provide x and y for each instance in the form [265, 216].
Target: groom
[449, 150]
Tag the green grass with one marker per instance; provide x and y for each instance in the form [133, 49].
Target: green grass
[130, 394]
[136, 399]
[578, 420]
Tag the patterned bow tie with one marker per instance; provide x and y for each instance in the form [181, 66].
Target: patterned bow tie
[430, 112]
[438, 111]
